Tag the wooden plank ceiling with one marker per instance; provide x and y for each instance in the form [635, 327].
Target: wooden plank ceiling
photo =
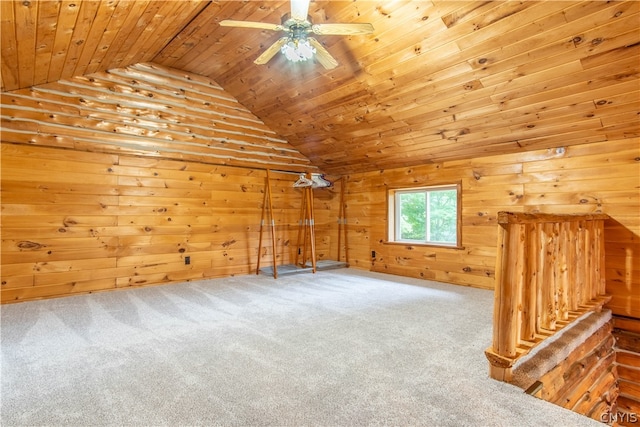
[436, 81]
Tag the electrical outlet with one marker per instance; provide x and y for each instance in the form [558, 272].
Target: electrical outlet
[187, 260]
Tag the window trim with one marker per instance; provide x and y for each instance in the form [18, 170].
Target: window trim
[391, 212]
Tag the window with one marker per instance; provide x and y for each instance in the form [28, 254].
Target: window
[425, 215]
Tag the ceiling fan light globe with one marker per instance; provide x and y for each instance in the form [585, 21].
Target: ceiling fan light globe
[298, 50]
[306, 50]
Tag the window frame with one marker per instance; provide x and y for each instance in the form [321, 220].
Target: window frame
[392, 227]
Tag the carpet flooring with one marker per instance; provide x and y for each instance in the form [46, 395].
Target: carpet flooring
[336, 348]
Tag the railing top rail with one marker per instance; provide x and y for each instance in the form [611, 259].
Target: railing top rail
[526, 217]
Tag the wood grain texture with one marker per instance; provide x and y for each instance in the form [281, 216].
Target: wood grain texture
[488, 92]
[534, 298]
[627, 333]
[586, 380]
[590, 179]
[53, 40]
[437, 81]
[146, 110]
[77, 222]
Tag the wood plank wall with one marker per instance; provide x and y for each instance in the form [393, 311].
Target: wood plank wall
[627, 334]
[111, 179]
[586, 381]
[77, 222]
[589, 178]
[150, 110]
[109, 220]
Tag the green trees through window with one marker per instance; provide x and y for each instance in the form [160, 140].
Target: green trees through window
[413, 222]
[426, 215]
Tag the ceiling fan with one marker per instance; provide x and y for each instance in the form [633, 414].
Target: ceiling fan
[296, 45]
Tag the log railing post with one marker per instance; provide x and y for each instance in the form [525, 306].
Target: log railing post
[530, 295]
[580, 266]
[563, 272]
[549, 266]
[572, 279]
[549, 271]
[602, 283]
[509, 291]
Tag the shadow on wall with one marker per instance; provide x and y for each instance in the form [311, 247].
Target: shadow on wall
[622, 262]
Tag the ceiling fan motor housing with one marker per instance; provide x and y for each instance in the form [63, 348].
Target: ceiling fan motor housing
[296, 45]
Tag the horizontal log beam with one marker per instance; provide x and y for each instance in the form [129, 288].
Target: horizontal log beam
[527, 217]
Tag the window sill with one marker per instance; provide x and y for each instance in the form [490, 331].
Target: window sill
[427, 245]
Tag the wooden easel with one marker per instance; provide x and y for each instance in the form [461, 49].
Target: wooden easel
[266, 201]
[342, 224]
[306, 230]
[306, 233]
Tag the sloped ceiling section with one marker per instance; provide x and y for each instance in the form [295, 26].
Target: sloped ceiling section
[438, 80]
[146, 110]
[46, 41]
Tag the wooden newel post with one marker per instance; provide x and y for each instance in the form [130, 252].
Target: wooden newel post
[510, 275]
[507, 309]
[549, 271]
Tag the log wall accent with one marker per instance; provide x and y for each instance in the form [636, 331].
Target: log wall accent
[150, 110]
[77, 222]
[586, 381]
[549, 271]
[590, 179]
[627, 334]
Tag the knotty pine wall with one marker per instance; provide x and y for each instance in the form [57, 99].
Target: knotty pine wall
[627, 334]
[599, 177]
[111, 179]
[149, 110]
[586, 381]
[77, 222]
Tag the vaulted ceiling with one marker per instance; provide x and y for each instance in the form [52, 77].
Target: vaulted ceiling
[436, 81]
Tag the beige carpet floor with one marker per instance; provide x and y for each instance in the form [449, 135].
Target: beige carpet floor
[336, 348]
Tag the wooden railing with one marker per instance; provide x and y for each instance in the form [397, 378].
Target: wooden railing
[549, 271]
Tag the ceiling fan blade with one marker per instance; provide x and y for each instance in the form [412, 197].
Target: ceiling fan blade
[323, 56]
[299, 9]
[271, 51]
[342, 29]
[249, 24]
